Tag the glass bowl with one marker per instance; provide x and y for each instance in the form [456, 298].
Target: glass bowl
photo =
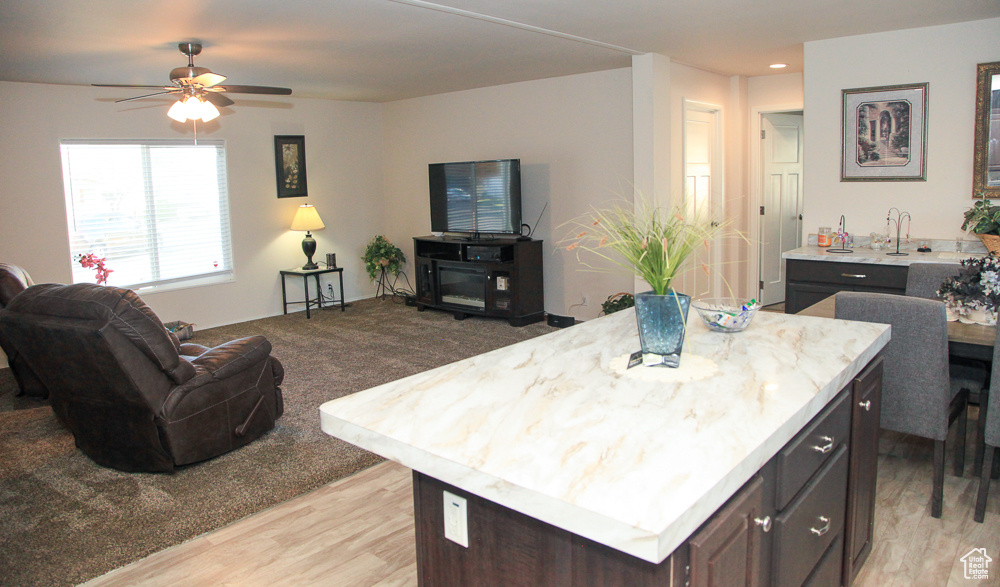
[726, 314]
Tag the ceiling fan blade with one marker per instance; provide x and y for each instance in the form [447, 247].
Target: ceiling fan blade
[131, 86]
[254, 90]
[207, 80]
[218, 99]
[174, 91]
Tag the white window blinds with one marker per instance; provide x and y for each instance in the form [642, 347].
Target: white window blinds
[157, 210]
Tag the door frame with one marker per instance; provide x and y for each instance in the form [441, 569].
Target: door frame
[755, 197]
[718, 173]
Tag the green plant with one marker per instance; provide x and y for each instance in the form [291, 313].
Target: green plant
[616, 302]
[983, 217]
[651, 242]
[380, 253]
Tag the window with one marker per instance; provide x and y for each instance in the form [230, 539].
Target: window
[157, 210]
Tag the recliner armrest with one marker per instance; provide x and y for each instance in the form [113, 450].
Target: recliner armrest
[234, 356]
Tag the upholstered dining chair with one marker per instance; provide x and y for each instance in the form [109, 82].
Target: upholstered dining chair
[920, 396]
[991, 436]
[14, 280]
[923, 280]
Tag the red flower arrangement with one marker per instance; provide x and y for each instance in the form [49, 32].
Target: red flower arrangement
[91, 260]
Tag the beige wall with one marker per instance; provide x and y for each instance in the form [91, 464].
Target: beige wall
[943, 56]
[343, 156]
[769, 93]
[573, 137]
[729, 94]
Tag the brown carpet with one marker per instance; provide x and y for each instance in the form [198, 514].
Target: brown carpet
[64, 519]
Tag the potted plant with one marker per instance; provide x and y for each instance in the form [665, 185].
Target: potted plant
[654, 244]
[983, 219]
[382, 254]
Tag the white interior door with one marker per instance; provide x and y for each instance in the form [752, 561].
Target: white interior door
[702, 196]
[780, 230]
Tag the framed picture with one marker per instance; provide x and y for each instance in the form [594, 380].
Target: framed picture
[290, 165]
[884, 132]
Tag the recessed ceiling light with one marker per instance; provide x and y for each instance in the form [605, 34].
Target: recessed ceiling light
[778, 65]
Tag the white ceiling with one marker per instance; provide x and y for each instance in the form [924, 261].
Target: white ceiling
[382, 50]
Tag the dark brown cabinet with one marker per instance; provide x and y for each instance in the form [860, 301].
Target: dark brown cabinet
[808, 282]
[726, 551]
[866, 399]
[500, 278]
[814, 521]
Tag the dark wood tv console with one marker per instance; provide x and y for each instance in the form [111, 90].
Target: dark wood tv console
[500, 278]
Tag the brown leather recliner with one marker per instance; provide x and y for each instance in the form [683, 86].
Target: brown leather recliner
[14, 280]
[118, 380]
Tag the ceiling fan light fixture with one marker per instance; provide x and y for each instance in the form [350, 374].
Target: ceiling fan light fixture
[208, 111]
[193, 108]
[179, 110]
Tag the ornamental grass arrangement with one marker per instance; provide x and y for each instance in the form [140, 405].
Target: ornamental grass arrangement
[651, 242]
[654, 244]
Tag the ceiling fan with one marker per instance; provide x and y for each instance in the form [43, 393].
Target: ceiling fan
[198, 88]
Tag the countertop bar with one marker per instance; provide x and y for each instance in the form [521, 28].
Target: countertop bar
[881, 257]
[546, 428]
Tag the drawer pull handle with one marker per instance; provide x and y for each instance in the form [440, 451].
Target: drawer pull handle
[826, 447]
[764, 524]
[867, 404]
[854, 275]
[824, 529]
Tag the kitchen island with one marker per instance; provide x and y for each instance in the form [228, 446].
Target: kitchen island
[547, 430]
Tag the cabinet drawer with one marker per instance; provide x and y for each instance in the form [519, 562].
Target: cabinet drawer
[828, 571]
[863, 275]
[804, 531]
[807, 452]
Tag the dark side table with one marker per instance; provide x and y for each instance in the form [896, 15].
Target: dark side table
[305, 274]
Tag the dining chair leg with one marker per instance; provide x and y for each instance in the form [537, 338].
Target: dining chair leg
[984, 486]
[977, 464]
[960, 431]
[937, 493]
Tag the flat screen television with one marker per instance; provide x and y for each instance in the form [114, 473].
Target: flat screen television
[477, 197]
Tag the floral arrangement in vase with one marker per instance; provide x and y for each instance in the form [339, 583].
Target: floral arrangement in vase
[974, 294]
[99, 264]
[654, 244]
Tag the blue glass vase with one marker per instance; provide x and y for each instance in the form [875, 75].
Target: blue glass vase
[662, 320]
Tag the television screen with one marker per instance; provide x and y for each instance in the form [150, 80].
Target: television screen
[476, 196]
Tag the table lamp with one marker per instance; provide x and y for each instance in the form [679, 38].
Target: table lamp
[307, 218]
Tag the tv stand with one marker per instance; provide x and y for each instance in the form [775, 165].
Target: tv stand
[498, 278]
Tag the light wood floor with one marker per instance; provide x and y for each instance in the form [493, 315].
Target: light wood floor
[359, 532]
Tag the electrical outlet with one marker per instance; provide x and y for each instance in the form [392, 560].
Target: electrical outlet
[456, 519]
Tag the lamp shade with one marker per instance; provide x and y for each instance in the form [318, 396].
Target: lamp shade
[193, 108]
[307, 218]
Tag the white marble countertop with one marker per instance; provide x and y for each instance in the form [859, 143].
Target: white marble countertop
[544, 427]
[882, 257]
